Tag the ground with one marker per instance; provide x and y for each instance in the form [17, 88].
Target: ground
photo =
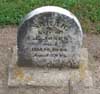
[8, 36]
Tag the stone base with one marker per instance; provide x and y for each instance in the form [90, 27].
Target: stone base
[49, 77]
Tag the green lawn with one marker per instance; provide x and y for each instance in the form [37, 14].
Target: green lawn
[88, 11]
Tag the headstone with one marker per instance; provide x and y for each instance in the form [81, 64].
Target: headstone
[49, 36]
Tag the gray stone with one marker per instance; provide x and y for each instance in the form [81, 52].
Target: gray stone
[38, 90]
[49, 77]
[49, 36]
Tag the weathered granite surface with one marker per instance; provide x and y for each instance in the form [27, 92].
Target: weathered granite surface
[49, 36]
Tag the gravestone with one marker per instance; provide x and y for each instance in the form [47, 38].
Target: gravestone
[49, 36]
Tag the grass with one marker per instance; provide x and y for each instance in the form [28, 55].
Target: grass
[87, 11]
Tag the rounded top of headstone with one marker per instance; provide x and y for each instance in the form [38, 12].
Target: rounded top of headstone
[55, 9]
[49, 35]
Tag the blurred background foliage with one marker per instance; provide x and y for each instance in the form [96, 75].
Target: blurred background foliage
[87, 11]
